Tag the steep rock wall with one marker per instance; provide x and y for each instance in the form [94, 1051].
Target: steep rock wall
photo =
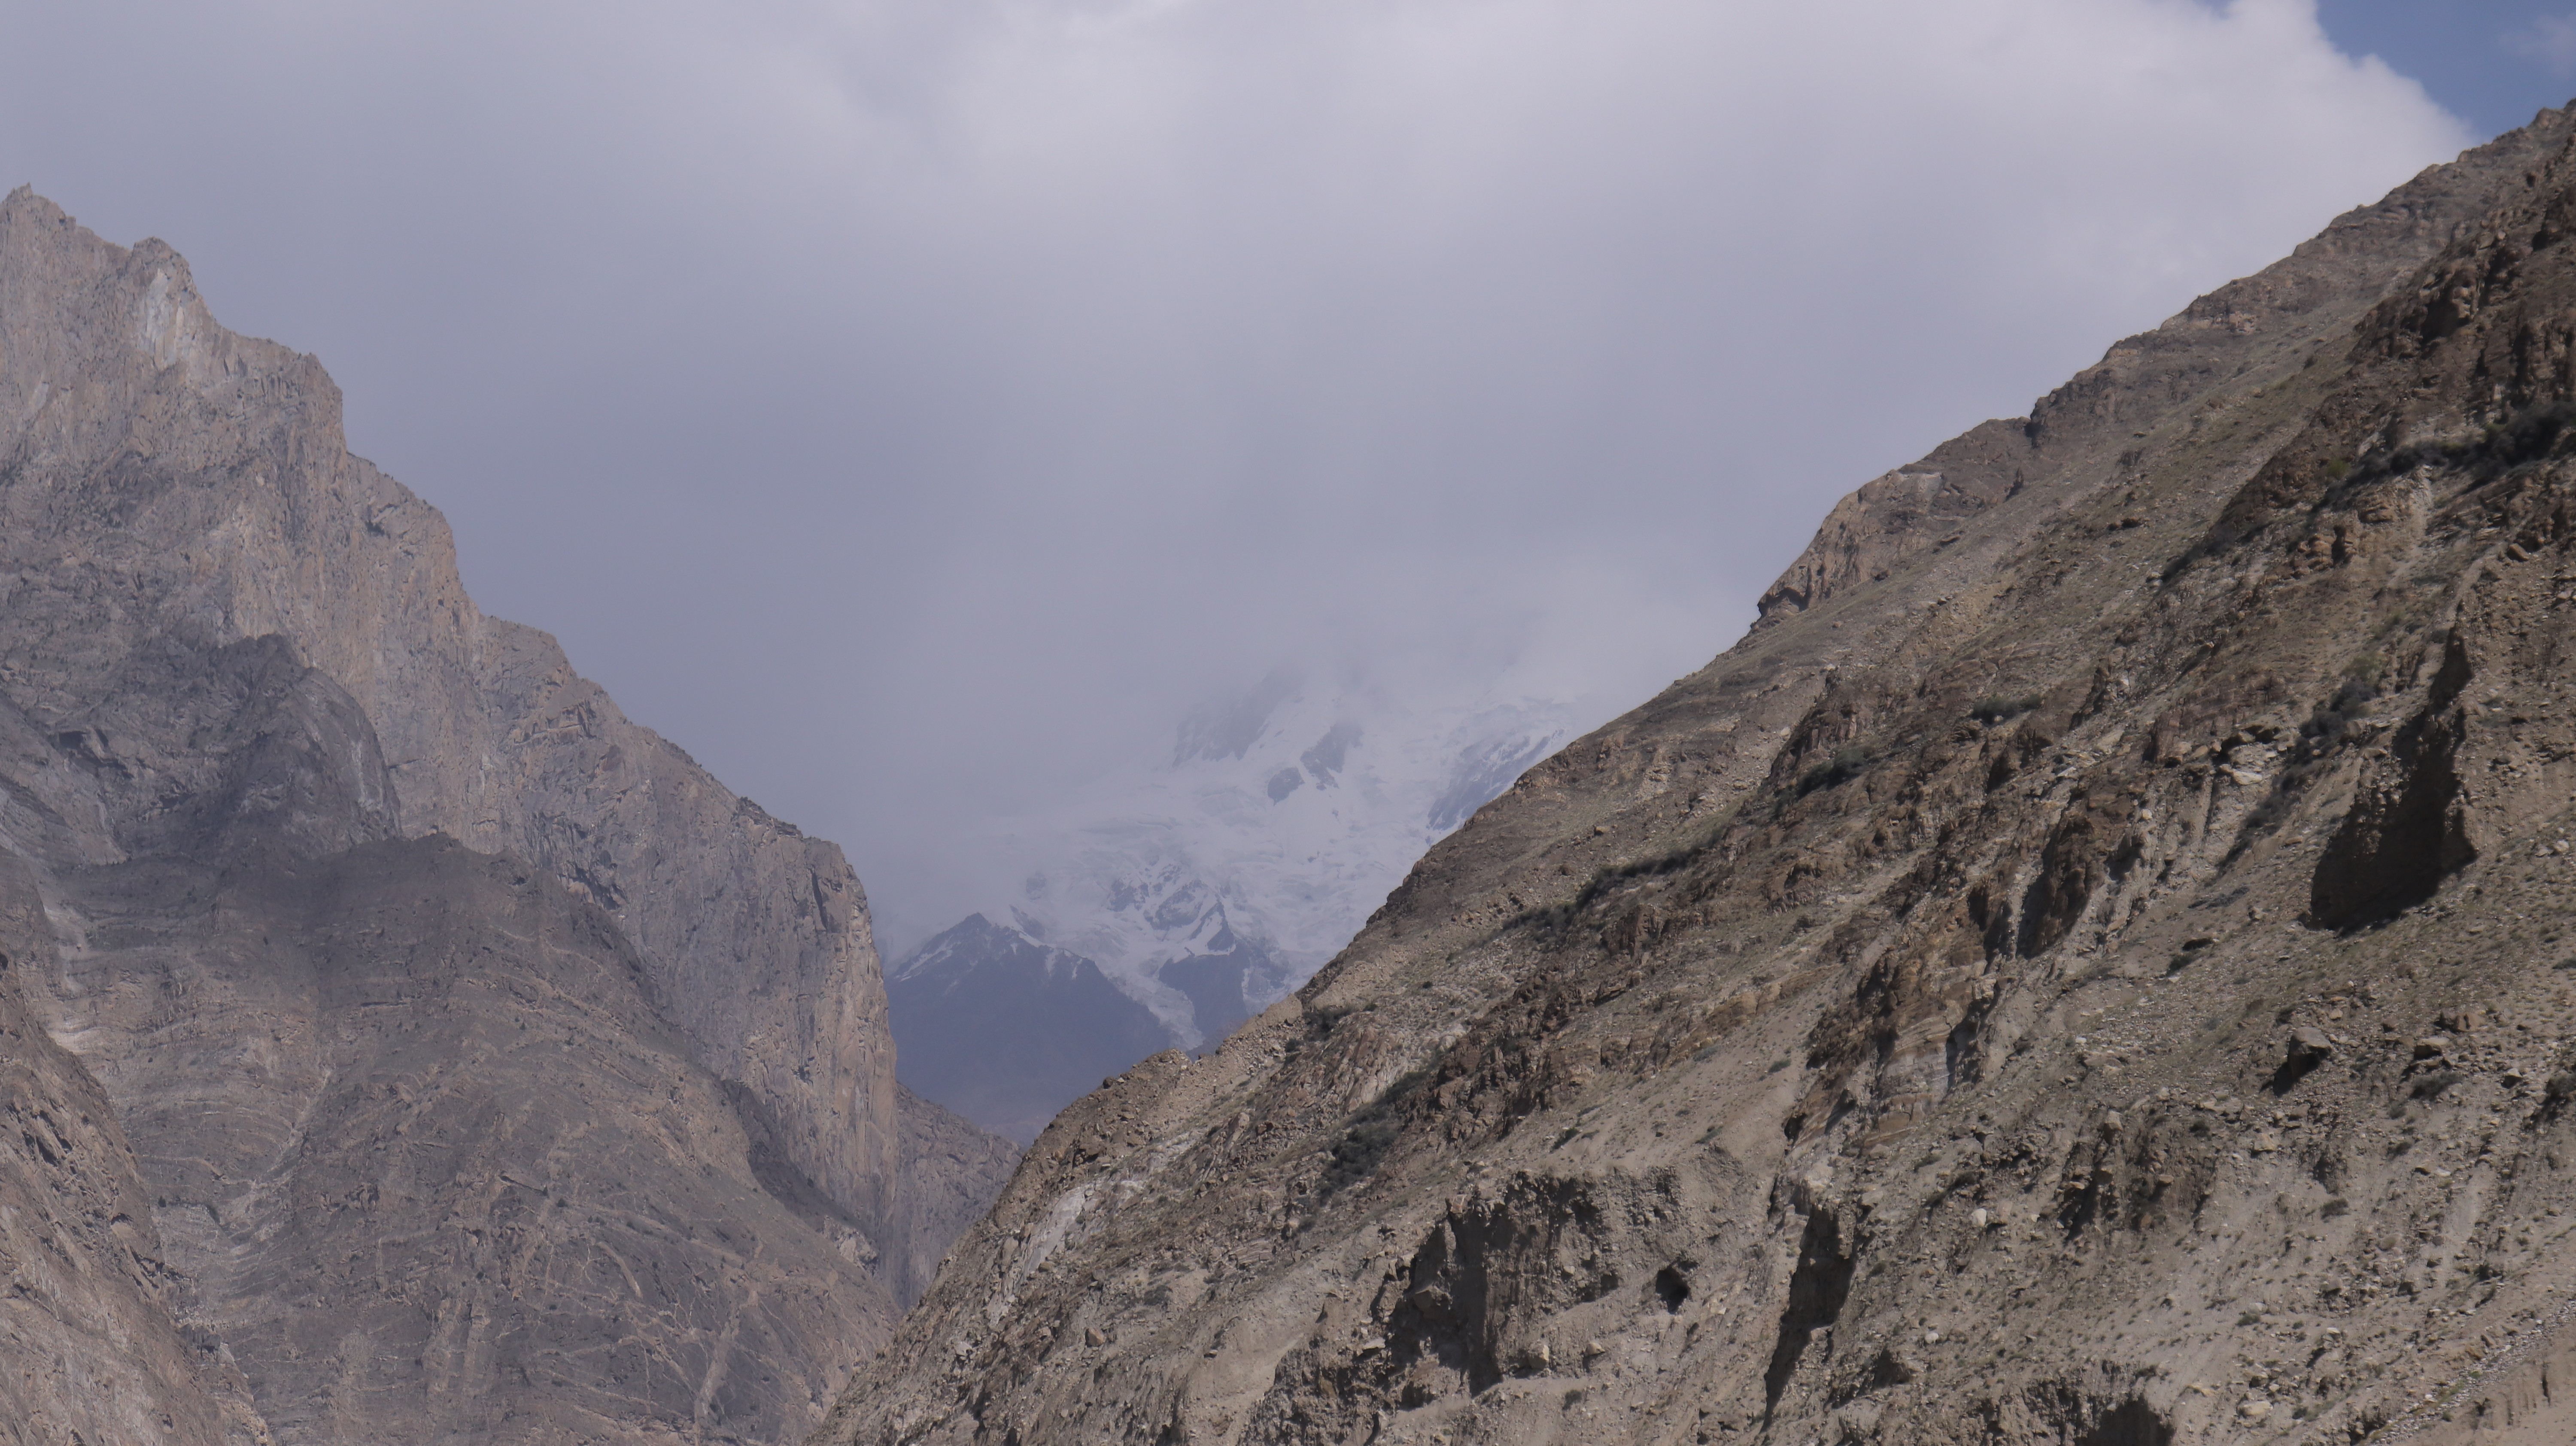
[166, 483]
[421, 1050]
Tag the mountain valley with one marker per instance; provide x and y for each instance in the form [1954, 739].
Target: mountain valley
[2090, 966]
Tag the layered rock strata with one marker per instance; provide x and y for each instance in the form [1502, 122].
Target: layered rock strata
[165, 484]
[427, 1050]
[91, 1345]
[2088, 967]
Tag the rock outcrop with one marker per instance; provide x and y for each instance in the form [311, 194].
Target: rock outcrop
[2089, 966]
[490, 1071]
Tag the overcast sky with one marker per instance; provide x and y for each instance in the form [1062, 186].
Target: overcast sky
[913, 406]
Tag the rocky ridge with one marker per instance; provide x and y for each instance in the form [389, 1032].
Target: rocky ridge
[434, 1053]
[2086, 968]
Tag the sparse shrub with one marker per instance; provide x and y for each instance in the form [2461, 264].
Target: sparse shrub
[2336, 1208]
[1372, 1132]
[2530, 434]
[1673, 1287]
[2430, 1087]
[1322, 1018]
[1777, 1065]
[1357, 1153]
[1845, 765]
[2560, 1089]
[2000, 708]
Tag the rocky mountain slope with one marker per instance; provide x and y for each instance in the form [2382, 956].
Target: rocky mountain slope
[2088, 967]
[441, 1055]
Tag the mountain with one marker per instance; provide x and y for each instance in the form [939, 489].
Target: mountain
[409, 1045]
[1007, 1031]
[1278, 820]
[1197, 887]
[2087, 967]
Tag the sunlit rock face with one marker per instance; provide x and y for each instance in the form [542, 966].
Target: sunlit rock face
[2088, 966]
[490, 1070]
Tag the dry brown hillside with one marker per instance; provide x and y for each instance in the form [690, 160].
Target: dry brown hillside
[2087, 968]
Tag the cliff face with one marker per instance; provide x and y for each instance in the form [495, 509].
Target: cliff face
[491, 1071]
[91, 1346]
[2088, 967]
[171, 484]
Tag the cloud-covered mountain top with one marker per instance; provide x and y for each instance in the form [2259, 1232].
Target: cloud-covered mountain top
[1281, 817]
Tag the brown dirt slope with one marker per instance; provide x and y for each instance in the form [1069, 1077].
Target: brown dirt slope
[2087, 968]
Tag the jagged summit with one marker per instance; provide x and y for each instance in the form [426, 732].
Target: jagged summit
[2087, 967]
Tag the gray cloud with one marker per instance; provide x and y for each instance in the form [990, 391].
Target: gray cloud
[913, 405]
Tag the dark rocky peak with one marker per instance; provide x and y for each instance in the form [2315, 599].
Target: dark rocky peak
[1006, 1030]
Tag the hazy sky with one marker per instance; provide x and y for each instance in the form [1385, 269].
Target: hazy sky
[912, 406]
